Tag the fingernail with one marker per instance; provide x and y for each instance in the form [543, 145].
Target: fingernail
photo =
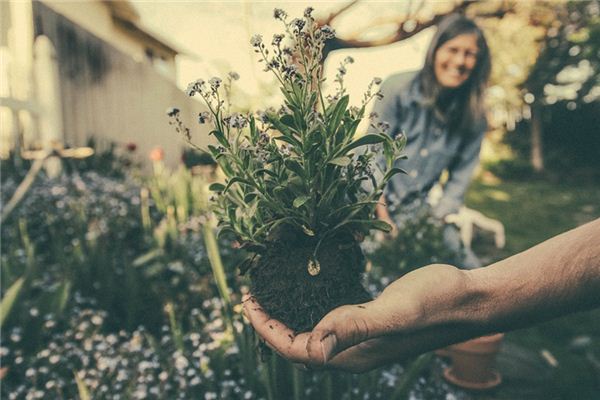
[328, 344]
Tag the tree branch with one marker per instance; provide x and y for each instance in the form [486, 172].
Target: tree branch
[335, 14]
[402, 32]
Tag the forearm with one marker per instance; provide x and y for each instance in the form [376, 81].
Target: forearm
[558, 276]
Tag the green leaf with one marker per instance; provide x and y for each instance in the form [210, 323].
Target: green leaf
[271, 225]
[372, 138]
[338, 112]
[393, 172]
[250, 196]
[400, 143]
[224, 229]
[9, 299]
[287, 94]
[61, 297]
[308, 231]
[388, 152]
[250, 212]
[82, 389]
[279, 189]
[245, 265]
[289, 121]
[352, 126]
[354, 206]
[236, 179]
[291, 140]
[214, 151]
[341, 161]
[216, 187]
[220, 137]
[312, 101]
[334, 187]
[262, 171]
[146, 258]
[379, 225]
[253, 131]
[369, 224]
[231, 215]
[278, 125]
[299, 201]
[295, 167]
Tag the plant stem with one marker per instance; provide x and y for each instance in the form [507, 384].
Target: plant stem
[22, 188]
[328, 386]
[298, 382]
[218, 271]
[177, 336]
[410, 375]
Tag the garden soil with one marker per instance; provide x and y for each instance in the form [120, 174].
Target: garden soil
[283, 286]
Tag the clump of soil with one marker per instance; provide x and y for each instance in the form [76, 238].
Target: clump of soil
[283, 286]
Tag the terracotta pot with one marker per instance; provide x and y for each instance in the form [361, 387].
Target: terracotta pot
[473, 363]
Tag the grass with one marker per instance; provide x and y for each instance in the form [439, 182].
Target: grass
[533, 211]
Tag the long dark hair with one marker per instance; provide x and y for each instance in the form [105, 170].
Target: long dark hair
[463, 108]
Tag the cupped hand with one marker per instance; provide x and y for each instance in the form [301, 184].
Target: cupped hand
[398, 324]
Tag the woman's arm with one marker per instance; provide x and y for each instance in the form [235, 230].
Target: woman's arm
[439, 305]
[459, 177]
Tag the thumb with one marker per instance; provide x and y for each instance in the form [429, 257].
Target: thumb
[342, 328]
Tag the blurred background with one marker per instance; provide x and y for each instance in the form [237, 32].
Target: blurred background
[113, 283]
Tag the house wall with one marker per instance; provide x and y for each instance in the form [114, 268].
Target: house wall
[107, 95]
[95, 17]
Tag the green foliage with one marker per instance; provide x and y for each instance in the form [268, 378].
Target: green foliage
[571, 143]
[9, 299]
[192, 158]
[130, 247]
[568, 65]
[301, 166]
[419, 242]
[110, 159]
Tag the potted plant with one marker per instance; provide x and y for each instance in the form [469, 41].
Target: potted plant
[473, 363]
[301, 188]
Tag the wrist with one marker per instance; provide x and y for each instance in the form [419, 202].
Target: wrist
[466, 305]
[477, 303]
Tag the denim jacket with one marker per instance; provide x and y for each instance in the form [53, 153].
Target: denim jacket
[431, 148]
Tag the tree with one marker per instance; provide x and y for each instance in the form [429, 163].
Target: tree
[415, 18]
[566, 69]
[544, 51]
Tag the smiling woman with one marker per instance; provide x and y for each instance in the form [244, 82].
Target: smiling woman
[440, 108]
[455, 60]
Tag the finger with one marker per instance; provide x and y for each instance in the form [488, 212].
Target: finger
[278, 336]
[246, 298]
[342, 328]
[321, 346]
[252, 310]
[365, 356]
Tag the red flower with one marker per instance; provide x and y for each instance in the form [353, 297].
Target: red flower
[131, 147]
[157, 154]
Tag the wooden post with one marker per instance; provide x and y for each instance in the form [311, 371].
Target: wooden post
[20, 42]
[537, 148]
[49, 100]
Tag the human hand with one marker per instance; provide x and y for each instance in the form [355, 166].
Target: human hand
[398, 324]
[384, 215]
